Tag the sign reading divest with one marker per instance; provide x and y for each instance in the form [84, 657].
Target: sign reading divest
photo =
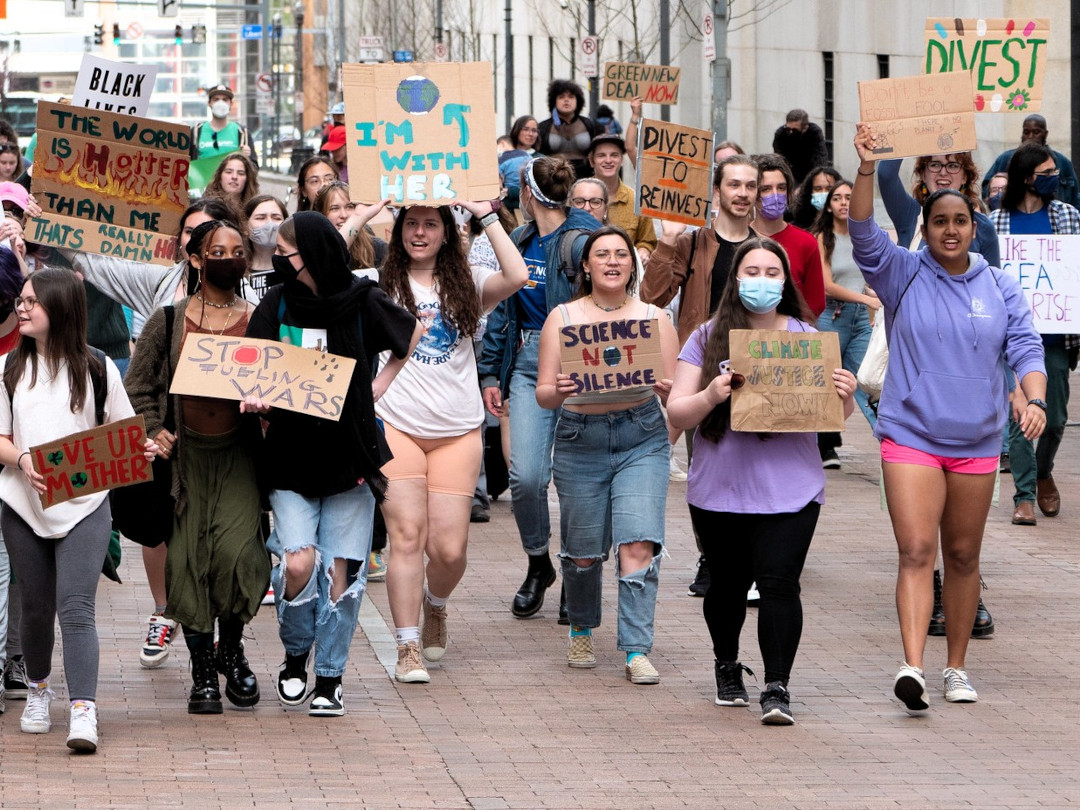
[658, 84]
[789, 386]
[612, 355]
[288, 377]
[105, 457]
[674, 172]
[1048, 269]
[1006, 59]
[109, 183]
[114, 86]
[420, 133]
[919, 115]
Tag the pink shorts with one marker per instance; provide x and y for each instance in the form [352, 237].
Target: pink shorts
[898, 454]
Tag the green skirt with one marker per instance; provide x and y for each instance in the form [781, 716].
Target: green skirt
[217, 564]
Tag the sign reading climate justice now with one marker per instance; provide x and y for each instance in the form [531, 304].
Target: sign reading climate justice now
[109, 183]
[1006, 58]
[674, 172]
[789, 386]
[612, 355]
[919, 115]
[105, 457]
[658, 84]
[296, 379]
[420, 133]
[1048, 269]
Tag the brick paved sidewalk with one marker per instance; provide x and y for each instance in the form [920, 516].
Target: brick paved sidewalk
[504, 722]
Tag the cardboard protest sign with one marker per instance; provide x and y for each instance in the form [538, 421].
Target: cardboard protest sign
[612, 355]
[420, 133]
[919, 115]
[1006, 59]
[609, 356]
[109, 183]
[1048, 269]
[789, 386]
[304, 380]
[114, 86]
[658, 84]
[105, 457]
[674, 172]
[201, 170]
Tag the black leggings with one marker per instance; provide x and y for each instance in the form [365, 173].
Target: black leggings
[771, 550]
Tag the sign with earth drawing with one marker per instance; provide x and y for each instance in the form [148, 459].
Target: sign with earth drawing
[420, 133]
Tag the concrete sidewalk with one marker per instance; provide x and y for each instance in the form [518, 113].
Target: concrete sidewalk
[505, 724]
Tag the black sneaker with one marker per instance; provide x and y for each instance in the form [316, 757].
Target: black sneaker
[326, 700]
[730, 690]
[15, 678]
[700, 586]
[292, 680]
[829, 460]
[776, 705]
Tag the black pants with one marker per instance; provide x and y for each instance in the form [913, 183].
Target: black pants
[771, 549]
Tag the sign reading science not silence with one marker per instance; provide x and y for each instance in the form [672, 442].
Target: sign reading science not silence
[612, 355]
[307, 381]
[109, 183]
[789, 386]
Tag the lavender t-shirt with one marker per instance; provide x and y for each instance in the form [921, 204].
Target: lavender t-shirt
[745, 474]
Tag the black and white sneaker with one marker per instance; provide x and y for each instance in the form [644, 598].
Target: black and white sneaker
[830, 460]
[776, 705]
[910, 686]
[292, 680]
[730, 690]
[327, 698]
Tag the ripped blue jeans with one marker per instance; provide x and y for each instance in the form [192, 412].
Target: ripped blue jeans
[338, 527]
[611, 473]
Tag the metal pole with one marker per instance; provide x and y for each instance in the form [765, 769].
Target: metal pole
[298, 98]
[509, 90]
[722, 71]
[665, 49]
[594, 83]
[341, 36]
[438, 21]
[269, 149]
[1074, 71]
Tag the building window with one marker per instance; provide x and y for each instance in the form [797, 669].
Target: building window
[883, 66]
[827, 56]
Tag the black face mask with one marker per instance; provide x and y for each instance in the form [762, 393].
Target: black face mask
[283, 266]
[225, 273]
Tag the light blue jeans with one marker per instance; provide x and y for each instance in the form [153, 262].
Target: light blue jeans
[532, 433]
[852, 325]
[339, 527]
[611, 473]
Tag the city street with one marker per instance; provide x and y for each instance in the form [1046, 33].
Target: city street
[505, 724]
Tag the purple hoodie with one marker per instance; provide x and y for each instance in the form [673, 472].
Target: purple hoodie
[944, 392]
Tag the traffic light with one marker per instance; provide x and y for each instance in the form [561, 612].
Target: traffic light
[178, 34]
[116, 34]
[99, 34]
[198, 34]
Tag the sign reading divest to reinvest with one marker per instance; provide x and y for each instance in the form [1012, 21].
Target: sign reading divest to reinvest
[1006, 58]
[674, 172]
[657, 84]
[1048, 269]
[307, 381]
[789, 386]
[420, 133]
[109, 183]
[104, 457]
[612, 355]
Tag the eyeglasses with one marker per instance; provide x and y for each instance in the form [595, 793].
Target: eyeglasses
[591, 202]
[1048, 173]
[26, 303]
[952, 167]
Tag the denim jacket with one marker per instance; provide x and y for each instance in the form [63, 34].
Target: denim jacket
[504, 323]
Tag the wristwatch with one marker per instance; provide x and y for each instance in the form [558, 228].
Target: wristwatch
[1040, 402]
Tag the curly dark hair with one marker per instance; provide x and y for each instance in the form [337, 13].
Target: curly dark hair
[802, 207]
[823, 225]
[731, 314]
[970, 186]
[453, 277]
[560, 86]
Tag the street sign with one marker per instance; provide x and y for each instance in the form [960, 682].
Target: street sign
[590, 57]
[708, 36]
[403, 56]
[251, 32]
[264, 94]
[372, 49]
[168, 8]
[264, 83]
[298, 102]
[441, 52]
[73, 8]
[134, 31]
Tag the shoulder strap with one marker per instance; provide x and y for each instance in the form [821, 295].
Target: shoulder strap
[566, 251]
[650, 312]
[901, 300]
[565, 314]
[99, 379]
[170, 315]
[693, 249]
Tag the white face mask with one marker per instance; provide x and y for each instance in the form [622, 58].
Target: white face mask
[265, 236]
[220, 109]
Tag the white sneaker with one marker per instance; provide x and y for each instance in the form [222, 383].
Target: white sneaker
[268, 597]
[82, 728]
[35, 717]
[158, 638]
[958, 688]
[675, 470]
[910, 687]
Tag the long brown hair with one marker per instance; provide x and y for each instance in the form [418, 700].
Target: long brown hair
[62, 296]
[251, 182]
[453, 277]
[970, 186]
[362, 249]
[823, 227]
[731, 314]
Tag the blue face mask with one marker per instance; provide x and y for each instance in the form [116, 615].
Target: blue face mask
[817, 199]
[759, 294]
[1046, 186]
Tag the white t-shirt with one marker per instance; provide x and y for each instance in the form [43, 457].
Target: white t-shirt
[43, 414]
[437, 392]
